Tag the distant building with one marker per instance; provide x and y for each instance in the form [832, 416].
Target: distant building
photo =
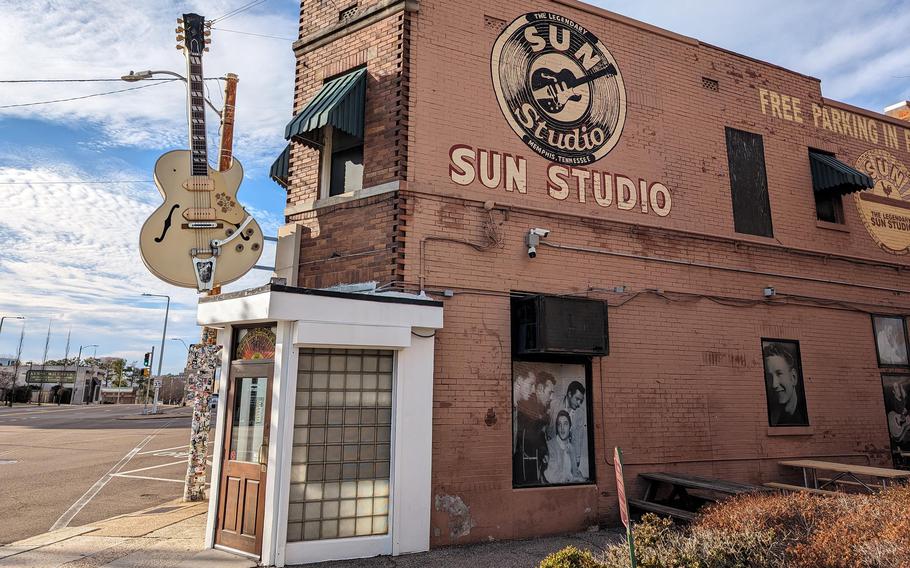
[117, 395]
[70, 384]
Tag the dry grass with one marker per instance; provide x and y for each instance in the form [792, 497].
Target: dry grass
[777, 531]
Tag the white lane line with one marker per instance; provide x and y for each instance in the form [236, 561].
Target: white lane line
[162, 450]
[183, 462]
[149, 478]
[74, 509]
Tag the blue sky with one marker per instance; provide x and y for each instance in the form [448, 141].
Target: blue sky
[68, 251]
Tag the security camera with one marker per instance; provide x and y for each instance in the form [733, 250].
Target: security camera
[533, 239]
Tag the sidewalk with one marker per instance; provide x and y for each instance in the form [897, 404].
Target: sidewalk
[167, 536]
[171, 536]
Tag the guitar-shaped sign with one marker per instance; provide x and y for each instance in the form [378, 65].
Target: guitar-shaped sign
[553, 90]
[200, 237]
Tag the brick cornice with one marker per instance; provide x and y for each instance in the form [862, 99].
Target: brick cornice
[375, 13]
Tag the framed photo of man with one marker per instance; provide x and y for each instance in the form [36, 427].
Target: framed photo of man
[784, 383]
[896, 389]
[891, 341]
[551, 420]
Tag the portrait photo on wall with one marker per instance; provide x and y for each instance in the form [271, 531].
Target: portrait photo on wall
[890, 340]
[551, 442]
[784, 383]
[897, 407]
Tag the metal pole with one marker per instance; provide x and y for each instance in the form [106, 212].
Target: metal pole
[145, 405]
[167, 310]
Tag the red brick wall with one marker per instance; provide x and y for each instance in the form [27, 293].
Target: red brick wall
[683, 387]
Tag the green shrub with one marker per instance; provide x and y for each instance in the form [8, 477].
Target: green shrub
[570, 557]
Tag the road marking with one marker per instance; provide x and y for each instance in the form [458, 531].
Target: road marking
[183, 462]
[74, 509]
[149, 478]
[162, 450]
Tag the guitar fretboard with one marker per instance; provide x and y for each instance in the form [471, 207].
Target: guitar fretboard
[195, 86]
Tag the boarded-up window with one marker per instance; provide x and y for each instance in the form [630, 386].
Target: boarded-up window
[748, 183]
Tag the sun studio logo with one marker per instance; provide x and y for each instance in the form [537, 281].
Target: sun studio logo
[559, 88]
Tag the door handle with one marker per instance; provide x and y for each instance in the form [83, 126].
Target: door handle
[264, 452]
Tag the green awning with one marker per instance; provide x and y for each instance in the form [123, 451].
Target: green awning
[279, 171]
[339, 103]
[830, 175]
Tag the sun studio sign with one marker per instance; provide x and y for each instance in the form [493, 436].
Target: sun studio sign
[559, 88]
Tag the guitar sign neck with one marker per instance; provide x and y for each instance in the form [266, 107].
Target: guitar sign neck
[195, 45]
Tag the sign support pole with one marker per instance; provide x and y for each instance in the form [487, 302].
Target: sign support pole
[623, 503]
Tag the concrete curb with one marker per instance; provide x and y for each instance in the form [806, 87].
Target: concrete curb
[44, 539]
[175, 413]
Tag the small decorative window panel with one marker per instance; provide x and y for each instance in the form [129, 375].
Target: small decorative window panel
[255, 343]
[340, 466]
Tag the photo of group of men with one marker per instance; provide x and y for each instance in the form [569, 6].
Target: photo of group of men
[897, 407]
[550, 441]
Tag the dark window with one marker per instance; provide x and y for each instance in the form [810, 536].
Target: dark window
[829, 207]
[748, 183]
[347, 170]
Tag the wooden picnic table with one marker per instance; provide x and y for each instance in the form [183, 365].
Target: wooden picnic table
[842, 471]
[679, 502]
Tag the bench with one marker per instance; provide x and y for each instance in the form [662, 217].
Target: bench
[794, 488]
[662, 509]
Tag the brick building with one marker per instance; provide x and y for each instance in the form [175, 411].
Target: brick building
[746, 235]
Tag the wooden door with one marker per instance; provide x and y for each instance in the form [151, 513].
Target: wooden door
[241, 499]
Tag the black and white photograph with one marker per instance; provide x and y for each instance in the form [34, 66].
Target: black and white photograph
[784, 383]
[550, 437]
[896, 389]
[890, 340]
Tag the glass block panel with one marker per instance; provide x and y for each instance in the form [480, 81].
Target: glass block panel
[311, 531]
[329, 529]
[340, 465]
[345, 528]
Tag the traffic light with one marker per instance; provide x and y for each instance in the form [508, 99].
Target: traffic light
[145, 372]
[148, 359]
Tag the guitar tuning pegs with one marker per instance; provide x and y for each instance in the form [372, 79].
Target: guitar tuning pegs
[180, 38]
[208, 32]
[180, 20]
[179, 30]
[179, 47]
[205, 49]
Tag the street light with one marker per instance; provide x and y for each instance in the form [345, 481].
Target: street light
[167, 311]
[148, 74]
[187, 347]
[9, 317]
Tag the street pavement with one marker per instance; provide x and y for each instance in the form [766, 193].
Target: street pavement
[66, 466]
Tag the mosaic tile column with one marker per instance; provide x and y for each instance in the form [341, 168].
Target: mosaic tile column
[202, 360]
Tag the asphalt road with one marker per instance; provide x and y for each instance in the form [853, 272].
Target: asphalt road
[73, 465]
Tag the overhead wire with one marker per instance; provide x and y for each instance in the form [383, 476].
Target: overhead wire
[254, 34]
[86, 96]
[97, 182]
[236, 11]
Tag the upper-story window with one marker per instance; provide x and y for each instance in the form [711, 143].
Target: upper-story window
[342, 163]
[748, 183]
[332, 122]
[831, 180]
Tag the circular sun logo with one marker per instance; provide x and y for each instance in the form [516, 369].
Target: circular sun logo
[885, 209]
[559, 88]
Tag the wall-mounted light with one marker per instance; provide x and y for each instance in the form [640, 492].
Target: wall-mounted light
[769, 292]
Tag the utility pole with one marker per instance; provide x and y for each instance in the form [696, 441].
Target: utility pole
[148, 379]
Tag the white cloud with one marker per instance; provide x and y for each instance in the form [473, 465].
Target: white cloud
[106, 39]
[71, 254]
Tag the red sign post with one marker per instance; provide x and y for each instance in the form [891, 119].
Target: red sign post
[623, 503]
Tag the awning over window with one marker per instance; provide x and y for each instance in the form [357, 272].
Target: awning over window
[830, 175]
[279, 171]
[339, 103]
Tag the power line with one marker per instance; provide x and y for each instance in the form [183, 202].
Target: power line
[82, 97]
[243, 8]
[97, 182]
[255, 34]
[93, 80]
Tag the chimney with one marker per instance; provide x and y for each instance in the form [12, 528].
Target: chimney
[900, 111]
